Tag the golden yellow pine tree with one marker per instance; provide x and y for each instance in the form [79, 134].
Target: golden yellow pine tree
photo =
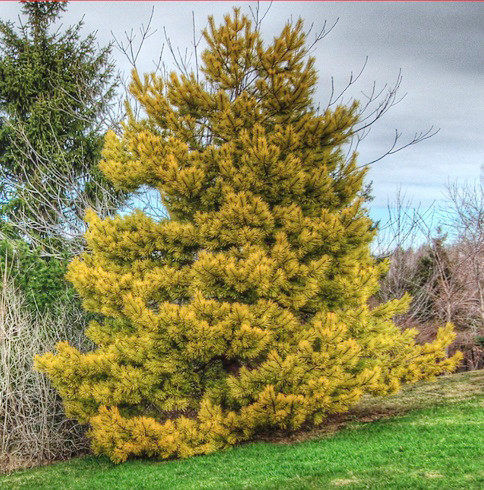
[248, 308]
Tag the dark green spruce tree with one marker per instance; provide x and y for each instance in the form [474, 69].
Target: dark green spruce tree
[56, 91]
[56, 88]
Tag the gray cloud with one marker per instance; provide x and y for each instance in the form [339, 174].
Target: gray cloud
[449, 35]
[438, 46]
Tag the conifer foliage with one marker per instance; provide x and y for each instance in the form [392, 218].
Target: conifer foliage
[248, 308]
[56, 91]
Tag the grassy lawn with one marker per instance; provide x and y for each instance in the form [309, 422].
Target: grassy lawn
[430, 435]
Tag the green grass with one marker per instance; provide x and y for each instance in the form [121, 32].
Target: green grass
[434, 439]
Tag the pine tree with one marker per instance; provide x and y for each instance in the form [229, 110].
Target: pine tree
[248, 308]
[56, 88]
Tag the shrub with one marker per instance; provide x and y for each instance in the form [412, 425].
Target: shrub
[40, 279]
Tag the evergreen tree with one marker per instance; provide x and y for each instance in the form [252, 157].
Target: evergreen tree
[55, 91]
[248, 309]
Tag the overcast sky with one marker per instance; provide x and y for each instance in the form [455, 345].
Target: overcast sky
[438, 47]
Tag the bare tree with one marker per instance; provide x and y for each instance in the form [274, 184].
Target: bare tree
[437, 255]
[465, 220]
[52, 200]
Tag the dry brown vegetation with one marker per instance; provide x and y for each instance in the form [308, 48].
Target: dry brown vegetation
[33, 427]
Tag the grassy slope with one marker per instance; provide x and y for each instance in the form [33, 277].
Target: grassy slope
[434, 440]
